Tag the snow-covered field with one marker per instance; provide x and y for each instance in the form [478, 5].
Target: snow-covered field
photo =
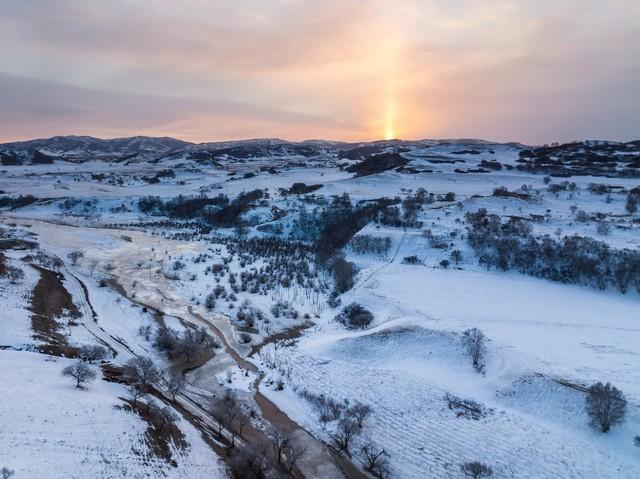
[546, 340]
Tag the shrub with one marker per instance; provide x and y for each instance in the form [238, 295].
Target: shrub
[474, 340]
[606, 406]
[355, 316]
[476, 470]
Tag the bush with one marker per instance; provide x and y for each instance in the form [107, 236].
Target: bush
[474, 340]
[476, 470]
[413, 259]
[606, 406]
[355, 316]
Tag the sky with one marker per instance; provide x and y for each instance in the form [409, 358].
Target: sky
[534, 71]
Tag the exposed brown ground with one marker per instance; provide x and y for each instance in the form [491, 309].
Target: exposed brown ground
[50, 302]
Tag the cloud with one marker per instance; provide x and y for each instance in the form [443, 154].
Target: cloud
[33, 108]
[443, 67]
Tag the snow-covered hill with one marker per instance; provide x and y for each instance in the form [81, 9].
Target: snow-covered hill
[230, 265]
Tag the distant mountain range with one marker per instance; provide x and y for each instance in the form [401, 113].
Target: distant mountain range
[79, 149]
[135, 149]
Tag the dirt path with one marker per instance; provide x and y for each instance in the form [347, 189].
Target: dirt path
[320, 460]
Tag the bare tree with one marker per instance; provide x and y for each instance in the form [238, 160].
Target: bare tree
[80, 371]
[167, 416]
[135, 392]
[476, 470]
[141, 372]
[93, 264]
[281, 443]
[474, 340]
[175, 386]
[225, 411]
[14, 274]
[347, 430]
[92, 353]
[606, 406]
[294, 454]
[376, 461]
[74, 256]
[456, 256]
[251, 462]
[6, 473]
[632, 203]
[241, 421]
[359, 412]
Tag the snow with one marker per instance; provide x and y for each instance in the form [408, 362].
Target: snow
[53, 429]
[539, 332]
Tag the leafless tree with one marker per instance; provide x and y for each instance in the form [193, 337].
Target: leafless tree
[80, 371]
[74, 256]
[294, 454]
[251, 462]
[476, 470]
[224, 411]
[175, 386]
[167, 416]
[141, 372]
[6, 473]
[240, 422]
[92, 266]
[281, 443]
[376, 461]
[606, 406]
[347, 430]
[474, 340]
[14, 274]
[135, 392]
[359, 412]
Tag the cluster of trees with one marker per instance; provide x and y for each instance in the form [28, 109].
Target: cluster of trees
[364, 244]
[406, 214]
[575, 259]
[16, 202]
[339, 223]
[216, 211]
[189, 344]
[284, 309]
[248, 315]
[267, 263]
[349, 422]
[45, 260]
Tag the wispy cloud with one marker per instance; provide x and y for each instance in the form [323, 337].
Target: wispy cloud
[529, 71]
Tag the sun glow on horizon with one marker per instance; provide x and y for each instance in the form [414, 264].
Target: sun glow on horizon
[390, 114]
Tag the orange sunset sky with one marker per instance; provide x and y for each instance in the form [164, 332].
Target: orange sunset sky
[529, 71]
